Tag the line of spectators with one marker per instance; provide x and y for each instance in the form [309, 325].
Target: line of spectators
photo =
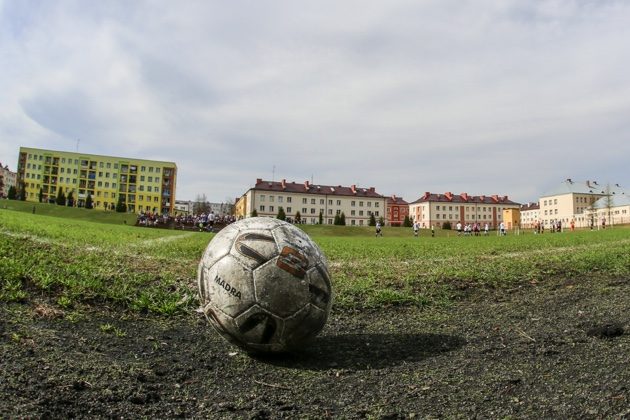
[202, 222]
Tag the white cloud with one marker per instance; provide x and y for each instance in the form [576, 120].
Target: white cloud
[486, 97]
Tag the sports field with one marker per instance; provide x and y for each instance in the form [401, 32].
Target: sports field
[98, 319]
[78, 262]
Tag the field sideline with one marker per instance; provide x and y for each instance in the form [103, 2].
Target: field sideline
[76, 263]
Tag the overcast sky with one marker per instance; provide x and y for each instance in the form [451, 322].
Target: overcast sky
[487, 97]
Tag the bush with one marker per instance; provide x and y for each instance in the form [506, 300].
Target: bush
[446, 225]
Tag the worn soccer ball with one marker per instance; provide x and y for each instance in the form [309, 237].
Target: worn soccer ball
[264, 285]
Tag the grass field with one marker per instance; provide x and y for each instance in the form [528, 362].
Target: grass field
[79, 258]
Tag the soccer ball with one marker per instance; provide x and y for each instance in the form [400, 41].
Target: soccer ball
[264, 285]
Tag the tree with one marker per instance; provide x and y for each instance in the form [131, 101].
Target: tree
[298, 218]
[254, 213]
[281, 214]
[337, 220]
[23, 191]
[201, 205]
[342, 219]
[12, 194]
[61, 198]
[70, 199]
[446, 225]
[608, 204]
[381, 221]
[407, 222]
[88, 202]
[121, 207]
[41, 195]
[372, 221]
[321, 218]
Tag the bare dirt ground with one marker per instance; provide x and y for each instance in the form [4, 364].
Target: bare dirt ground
[555, 350]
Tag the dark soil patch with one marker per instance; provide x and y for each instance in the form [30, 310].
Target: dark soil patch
[553, 350]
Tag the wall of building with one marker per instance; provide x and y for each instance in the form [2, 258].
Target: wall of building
[145, 185]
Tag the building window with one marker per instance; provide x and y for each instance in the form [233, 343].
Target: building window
[304, 200]
[303, 210]
[280, 199]
[271, 208]
[288, 199]
[353, 203]
[338, 202]
[261, 208]
[289, 210]
[262, 197]
[312, 201]
[360, 203]
[271, 198]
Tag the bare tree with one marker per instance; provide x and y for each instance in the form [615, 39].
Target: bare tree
[608, 204]
[201, 205]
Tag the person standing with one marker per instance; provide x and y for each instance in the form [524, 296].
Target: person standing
[378, 230]
[416, 227]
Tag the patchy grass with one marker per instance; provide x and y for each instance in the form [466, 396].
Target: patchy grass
[75, 263]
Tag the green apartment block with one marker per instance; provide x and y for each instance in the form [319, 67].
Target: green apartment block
[143, 185]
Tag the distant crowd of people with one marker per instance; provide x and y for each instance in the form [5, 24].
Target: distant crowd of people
[202, 222]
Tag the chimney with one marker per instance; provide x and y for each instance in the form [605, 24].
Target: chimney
[495, 198]
[354, 189]
[372, 189]
[284, 184]
[449, 195]
[426, 195]
[258, 180]
[464, 196]
[482, 198]
[306, 185]
[394, 198]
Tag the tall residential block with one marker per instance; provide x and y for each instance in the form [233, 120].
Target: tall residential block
[142, 185]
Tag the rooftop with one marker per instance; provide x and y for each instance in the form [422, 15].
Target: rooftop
[307, 188]
[569, 186]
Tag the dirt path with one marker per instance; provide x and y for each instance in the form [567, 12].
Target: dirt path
[558, 350]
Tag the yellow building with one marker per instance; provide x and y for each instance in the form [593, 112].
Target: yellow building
[512, 218]
[142, 185]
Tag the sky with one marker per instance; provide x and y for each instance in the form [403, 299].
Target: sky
[507, 97]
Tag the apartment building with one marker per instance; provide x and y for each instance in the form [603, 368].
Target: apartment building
[310, 200]
[572, 200]
[530, 214]
[397, 210]
[8, 179]
[142, 185]
[436, 209]
[614, 211]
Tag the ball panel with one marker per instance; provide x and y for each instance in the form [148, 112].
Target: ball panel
[259, 329]
[304, 325]
[320, 289]
[279, 291]
[228, 284]
[220, 245]
[254, 247]
[296, 238]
